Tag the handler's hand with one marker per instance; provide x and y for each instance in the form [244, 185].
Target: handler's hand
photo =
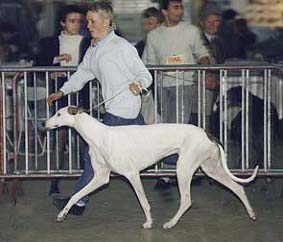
[54, 97]
[135, 88]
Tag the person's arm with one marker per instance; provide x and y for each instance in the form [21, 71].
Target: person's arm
[199, 50]
[80, 77]
[142, 77]
[149, 56]
[210, 81]
[202, 54]
[76, 81]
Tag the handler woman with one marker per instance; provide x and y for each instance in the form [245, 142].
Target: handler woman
[115, 63]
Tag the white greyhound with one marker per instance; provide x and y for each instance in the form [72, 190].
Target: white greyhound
[127, 150]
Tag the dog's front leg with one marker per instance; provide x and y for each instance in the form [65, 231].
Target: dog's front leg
[135, 180]
[100, 178]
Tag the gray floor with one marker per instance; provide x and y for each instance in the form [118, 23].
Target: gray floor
[114, 215]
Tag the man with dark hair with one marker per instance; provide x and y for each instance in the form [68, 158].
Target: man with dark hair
[65, 49]
[175, 42]
[64, 11]
[228, 33]
[164, 4]
[164, 46]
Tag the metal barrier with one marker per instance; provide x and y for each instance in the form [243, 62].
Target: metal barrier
[28, 151]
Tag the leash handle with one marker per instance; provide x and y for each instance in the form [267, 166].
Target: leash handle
[143, 90]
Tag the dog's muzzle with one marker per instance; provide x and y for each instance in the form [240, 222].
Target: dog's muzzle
[43, 123]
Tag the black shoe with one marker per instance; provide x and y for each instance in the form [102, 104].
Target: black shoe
[162, 184]
[61, 203]
[77, 210]
[53, 190]
[54, 187]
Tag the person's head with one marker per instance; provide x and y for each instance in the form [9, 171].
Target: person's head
[241, 25]
[173, 11]
[229, 14]
[210, 19]
[71, 18]
[151, 18]
[100, 19]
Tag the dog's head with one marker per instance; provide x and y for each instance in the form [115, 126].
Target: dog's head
[63, 117]
[234, 98]
[233, 102]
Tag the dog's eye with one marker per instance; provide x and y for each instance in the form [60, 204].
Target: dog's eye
[59, 114]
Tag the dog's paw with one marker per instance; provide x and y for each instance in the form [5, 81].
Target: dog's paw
[60, 220]
[147, 225]
[252, 214]
[61, 217]
[253, 217]
[168, 225]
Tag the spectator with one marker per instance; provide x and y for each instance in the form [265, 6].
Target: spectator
[163, 47]
[65, 49]
[11, 48]
[152, 18]
[174, 42]
[246, 39]
[118, 68]
[210, 22]
[227, 32]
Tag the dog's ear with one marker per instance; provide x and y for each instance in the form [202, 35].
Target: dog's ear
[82, 110]
[73, 110]
[76, 110]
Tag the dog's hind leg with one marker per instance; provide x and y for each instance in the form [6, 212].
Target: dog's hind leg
[134, 179]
[214, 169]
[100, 178]
[184, 176]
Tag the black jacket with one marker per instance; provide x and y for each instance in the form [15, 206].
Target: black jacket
[216, 49]
[49, 48]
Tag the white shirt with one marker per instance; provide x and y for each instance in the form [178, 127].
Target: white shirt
[177, 45]
[70, 44]
[209, 37]
[116, 64]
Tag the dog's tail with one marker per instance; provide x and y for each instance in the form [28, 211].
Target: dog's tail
[224, 164]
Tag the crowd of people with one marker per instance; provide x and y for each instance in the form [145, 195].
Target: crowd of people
[234, 28]
[118, 65]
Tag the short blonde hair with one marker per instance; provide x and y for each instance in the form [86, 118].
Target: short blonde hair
[104, 8]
